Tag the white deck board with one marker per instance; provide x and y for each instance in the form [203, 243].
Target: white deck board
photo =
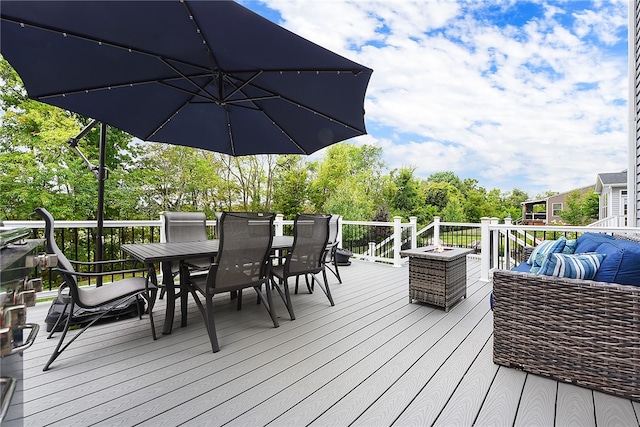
[374, 359]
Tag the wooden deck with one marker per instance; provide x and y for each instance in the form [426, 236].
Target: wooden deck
[372, 360]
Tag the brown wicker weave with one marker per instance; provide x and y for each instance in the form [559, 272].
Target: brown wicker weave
[578, 331]
[439, 280]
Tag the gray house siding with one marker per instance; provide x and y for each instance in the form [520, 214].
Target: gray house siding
[633, 178]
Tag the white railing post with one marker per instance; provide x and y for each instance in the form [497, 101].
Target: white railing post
[163, 235]
[496, 242]
[372, 251]
[485, 249]
[397, 240]
[339, 231]
[413, 220]
[507, 244]
[436, 231]
[279, 223]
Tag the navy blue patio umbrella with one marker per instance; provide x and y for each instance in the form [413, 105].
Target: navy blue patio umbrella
[205, 74]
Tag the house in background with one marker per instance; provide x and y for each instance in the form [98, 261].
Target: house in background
[612, 191]
[552, 206]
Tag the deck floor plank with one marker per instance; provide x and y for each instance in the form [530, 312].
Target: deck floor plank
[501, 403]
[613, 411]
[428, 404]
[423, 357]
[371, 360]
[465, 402]
[538, 403]
[575, 406]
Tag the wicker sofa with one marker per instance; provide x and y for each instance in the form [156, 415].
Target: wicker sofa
[582, 332]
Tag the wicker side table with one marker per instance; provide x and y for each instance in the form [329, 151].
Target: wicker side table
[437, 278]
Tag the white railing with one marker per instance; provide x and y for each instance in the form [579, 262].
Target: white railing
[612, 221]
[375, 251]
[497, 241]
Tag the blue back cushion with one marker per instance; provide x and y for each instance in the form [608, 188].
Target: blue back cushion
[622, 262]
[574, 266]
[570, 246]
[588, 242]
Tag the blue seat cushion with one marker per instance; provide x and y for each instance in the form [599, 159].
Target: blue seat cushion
[622, 262]
[573, 266]
[523, 266]
[588, 242]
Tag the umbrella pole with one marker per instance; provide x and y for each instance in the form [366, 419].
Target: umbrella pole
[99, 172]
[100, 214]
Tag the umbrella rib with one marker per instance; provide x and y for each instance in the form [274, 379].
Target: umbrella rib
[121, 85]
[291, 101]
[25, 23]
[212, 58]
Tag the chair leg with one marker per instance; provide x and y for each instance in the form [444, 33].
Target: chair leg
[309, 285]
[60, 347]
[324, 288]
[268, 303]
[207, 316]
[151, 301]
[334, 261]
[286, 297]
[211, 325]
[57, 351]
[55, 325]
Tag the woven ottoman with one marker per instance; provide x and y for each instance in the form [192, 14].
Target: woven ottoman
[437, 276]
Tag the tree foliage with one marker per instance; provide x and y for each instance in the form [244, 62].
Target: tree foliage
[39, 168]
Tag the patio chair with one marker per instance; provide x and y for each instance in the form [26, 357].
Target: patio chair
[332, 247]
[185, 227]
[306, 257]
[242, 262]
[97, 301]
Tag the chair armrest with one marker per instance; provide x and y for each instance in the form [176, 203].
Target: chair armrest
[104, 273]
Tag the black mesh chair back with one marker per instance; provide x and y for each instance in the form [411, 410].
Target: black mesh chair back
[310, 235]
[333, 230]
[332, 247]
[305, 258]
[242, 262]
[245, 245]
[52, 247]
[186, 227]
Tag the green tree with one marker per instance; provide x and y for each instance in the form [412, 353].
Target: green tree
[578, 208]
[351, 172]
[290, 186]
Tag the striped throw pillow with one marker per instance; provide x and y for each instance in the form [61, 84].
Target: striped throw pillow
[546, 247]
[574, 266]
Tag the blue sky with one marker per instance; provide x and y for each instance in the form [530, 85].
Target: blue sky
[516, 94]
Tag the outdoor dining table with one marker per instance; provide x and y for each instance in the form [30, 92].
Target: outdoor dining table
[168, 252]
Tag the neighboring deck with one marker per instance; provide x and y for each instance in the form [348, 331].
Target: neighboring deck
[373, 360]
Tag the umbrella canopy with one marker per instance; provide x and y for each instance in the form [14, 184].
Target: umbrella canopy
[205, 74]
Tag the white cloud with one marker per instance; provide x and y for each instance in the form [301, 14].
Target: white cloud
[536, 104]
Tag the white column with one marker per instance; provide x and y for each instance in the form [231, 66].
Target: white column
[278, 222]
[163, 222]
[496, 243]
[397, 240]
[436, 231]
[413, 220]
[507, 244]
[485, 249]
